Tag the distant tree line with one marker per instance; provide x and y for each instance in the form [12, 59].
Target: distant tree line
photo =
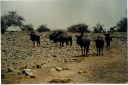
[13, 19]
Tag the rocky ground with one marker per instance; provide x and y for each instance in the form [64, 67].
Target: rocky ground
[49, 63]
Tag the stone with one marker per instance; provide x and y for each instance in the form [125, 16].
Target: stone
[33, 67]
[13, 63]
[65, 68]
[54, 55]
[10, 69]
[27, 72]
[84, 71]
[53, 69]
[38, 66]
[66, 80]
[59, 68]
[2, 75]
[4, 50]
[41, 63]
[73, 59]
[60, 81]
[32, 76]
[78, 61]
[79, 72]
[45, 62]
[65, 60]
[18, 73]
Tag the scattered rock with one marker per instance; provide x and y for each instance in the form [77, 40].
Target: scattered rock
[10, 69]
[59, 68]
[2, 75]
[54, 55]
[38, 66]
[32, 76]
[27, 72]
[45, 62]
[25, 67]
[53, 69]
[73, 59]
[84, 71]
[49, 60]
[81, 71]
[66, 80]
[78, 61]
[3, 63]
[4, 50]
[65, 60]
[60, 81]
[13, 63]
[33, 67]
[65, 68]
[41, 63]
[19, 73]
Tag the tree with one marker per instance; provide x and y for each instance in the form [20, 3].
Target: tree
[80, 28]
[3, 23]
[28, 28]
[11, 19]
[98, 28]
[112, 29]
[122, 25]
[43, 28]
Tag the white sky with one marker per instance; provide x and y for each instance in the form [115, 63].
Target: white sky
[58, 14]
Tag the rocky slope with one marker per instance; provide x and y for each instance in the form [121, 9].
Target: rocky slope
[49, 63]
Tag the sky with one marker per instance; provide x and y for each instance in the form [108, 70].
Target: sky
[60, 14]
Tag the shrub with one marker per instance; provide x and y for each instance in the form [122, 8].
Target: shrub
[122, 25]
[80, 28]
[43, 28]
[98, 28]
[27, 28]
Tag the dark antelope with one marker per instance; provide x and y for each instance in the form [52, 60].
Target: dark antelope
[99, 45]
[84, 43]
[34, 38]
